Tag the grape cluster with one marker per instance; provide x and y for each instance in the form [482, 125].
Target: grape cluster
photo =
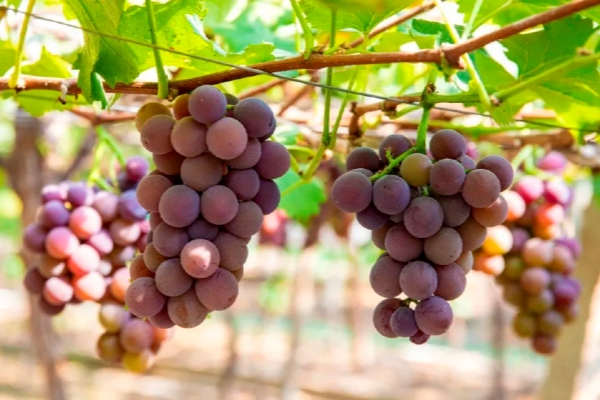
[428, 215]
[530, 257]
[85, 237]
[207, 197]
[128, 340]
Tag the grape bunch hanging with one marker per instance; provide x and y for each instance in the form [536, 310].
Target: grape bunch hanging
[85, 237]
[212, 185]
[530, 256]
[428, 214]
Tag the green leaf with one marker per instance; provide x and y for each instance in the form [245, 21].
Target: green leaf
[356, 15]
[180, 26]
[38, 102]
[110, 58]
[430, 28]
[303, 202]
[488, 9]
[7, 56]
[573, 95]
[391, 41]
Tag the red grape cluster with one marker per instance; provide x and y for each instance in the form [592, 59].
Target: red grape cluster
[128, 340]
[428, 215]
[207, 197]
[84, 238]
[531, 258]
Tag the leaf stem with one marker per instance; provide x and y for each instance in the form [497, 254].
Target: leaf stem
[573, 63]
[340, 114]
[163, 81]
[14, 78]
[393, 164]
[471, 22]
[309, 40]
[484, 98]
[523, 154]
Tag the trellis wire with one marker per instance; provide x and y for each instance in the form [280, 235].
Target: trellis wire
[279, 76]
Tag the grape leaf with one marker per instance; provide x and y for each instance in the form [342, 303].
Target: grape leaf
[303, 202]
[110, 58]
[430, 28]
[7, 56]
[572, 94]
[359, 16]
[38, 102]
[179, 26]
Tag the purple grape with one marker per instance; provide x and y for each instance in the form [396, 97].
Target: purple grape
[53, 192]
[420, 337]
[391, 194]
[256, 116]
[129, 207]
[418, 280]
[371, 218]
[207, 104]
[403, 322]
[136, 168]
[434, 315]
[553, 161]
[79, 194]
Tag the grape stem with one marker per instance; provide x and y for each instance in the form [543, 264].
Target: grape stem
[523, 154]
[14, 78]
[309, 40]
[393, 164]
[340, 114]
[163, 81]
[484, 98]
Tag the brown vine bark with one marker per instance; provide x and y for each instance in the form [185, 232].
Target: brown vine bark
[24, 167]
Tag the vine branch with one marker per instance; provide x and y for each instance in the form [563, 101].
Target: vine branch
[451, 54]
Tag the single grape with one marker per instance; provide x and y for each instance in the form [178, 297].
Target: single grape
[415, 169]
[491, 265]
[541, 302]
[446, 177]
[109, 348]
[219, 205]
[129, 207]
[244, 183]
[530, 188]
[169, 241]
[255, 115]
[149, 110]
[150, 189]
[188, 137]
[472, 234]
[544, 344]
[102, 242]
[420, 337]
[535, 279]
[418, 280]
[180, 106]
[451, 281]
[90, 286]
[467, 162]
[492, 215]
[49, 266]
[34, 238]
[395, 144]
[121, 280]
[552, 161]
[515, 205]
[550, 322]
[433, 315]
[162, 319]
[232, 250]
[207, 104]
[274, 161]
[138, 362]
[106, 204]
[363, 157]
[34, 281]
[557, 191]
[500, 167]
[562, 259]
[401, 245]
[455, 209]
[382, 317]
[84, 222]
[156, 134]
[152, 258]
[53, 214]
[143, 298]
[352, 192]
[499, 240]
[378, 236]
[122, 255]
[200, 258]
[136, 336]
[226, 138]
[53, 192]
[169, 163]
[186, 310]
[524, 324]
[465, 261]
[202, 229]
[218, 291]
[124, 232]
[247, 221]
[138, 269]
[154, 218]
[549, 214]
[385, 277]
[171, 279]
[179, 206]
[61, 243]
[391, 194]
[403, 322]
[268, 196]
[79, 194]
[249, 157]
[481, 188]
[371, 218]
[364, 171]
[57, 291]
[444, 247]
[537, 252]
[447, 144]
[423, 217]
